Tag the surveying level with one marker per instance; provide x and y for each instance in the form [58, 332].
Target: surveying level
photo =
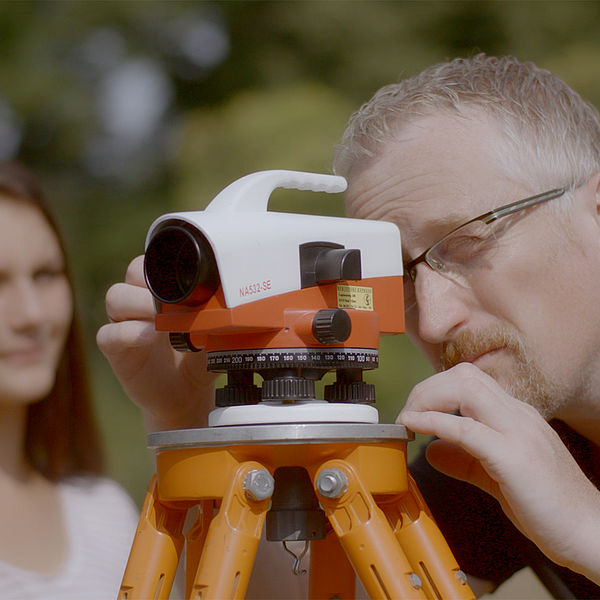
[288, 297]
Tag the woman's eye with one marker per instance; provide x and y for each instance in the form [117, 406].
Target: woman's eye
[48, 274]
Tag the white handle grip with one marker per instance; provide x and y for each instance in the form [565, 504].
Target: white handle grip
[251, 193]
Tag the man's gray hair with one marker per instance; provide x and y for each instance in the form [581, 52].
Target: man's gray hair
[549, 134]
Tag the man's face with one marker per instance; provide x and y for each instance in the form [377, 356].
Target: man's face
[528, 315]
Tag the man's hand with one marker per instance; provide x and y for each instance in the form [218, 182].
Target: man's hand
[506, 448]
[173, 389]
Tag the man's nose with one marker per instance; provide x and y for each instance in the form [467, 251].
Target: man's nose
[443, 305]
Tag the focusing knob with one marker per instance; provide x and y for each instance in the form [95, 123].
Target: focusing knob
[331, 326]
[181, 342]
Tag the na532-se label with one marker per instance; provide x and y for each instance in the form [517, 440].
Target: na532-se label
[255, 288]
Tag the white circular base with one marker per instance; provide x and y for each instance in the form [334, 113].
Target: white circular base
[269, 413]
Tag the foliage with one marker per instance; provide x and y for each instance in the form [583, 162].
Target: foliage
[130, 109]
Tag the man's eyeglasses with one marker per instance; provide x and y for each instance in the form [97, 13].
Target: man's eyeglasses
[467, 246]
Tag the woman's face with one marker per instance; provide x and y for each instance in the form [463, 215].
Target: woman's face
[36, 304]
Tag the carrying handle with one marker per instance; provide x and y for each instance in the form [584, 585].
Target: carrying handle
[252, 192]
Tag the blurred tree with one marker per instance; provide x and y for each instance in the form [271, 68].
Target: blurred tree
[292, 126]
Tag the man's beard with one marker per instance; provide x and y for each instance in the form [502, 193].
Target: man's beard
[525, 382]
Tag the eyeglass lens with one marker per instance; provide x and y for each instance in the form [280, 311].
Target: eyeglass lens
[457, 256]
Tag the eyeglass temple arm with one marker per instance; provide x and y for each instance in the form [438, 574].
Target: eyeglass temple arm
[523, 204]
[496, 214]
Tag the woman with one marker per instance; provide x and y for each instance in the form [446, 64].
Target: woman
[66, 530]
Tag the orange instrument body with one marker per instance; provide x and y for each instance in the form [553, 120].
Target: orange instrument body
[286, 320]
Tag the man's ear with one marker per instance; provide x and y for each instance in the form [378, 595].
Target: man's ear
[591, 189]
[594, 184]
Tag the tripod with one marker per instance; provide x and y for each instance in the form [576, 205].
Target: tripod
[379, 526]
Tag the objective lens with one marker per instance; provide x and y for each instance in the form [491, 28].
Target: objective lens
[180, 266]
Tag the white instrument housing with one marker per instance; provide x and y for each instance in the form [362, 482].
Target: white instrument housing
[256, 250]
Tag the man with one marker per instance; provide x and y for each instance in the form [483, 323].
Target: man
[502, 301]
[511, 296]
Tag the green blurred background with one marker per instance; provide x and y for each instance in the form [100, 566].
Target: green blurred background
[127, 110]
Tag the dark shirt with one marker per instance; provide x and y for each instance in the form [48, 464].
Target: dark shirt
[484, 542]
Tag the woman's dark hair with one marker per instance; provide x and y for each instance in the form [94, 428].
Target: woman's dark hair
[62, 437]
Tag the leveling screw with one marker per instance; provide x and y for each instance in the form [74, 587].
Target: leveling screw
[258, 484]
[331, 483]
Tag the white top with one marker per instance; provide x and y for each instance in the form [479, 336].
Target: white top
[101, 520]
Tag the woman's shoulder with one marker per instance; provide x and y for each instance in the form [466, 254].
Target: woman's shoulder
[100, 518]
[99, 496]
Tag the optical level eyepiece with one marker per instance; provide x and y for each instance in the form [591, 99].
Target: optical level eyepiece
[180, 265]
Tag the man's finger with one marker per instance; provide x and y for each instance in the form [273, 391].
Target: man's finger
[135, 272]
[465, 390]
[125, 302]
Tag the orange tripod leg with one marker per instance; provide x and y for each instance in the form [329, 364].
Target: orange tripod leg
[425, 547]
[331, 575]
[194, 542]
[155, 552]
[365, 534]
[231, 542]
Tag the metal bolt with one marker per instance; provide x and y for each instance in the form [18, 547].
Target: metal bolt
[258, 484]
[331, 483]
[460, 575]
[415, 581]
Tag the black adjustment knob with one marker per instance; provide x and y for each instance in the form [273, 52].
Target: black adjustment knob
[240, 389]
[181, 342]
[288, 388]
[331, 326]
[356, 392]
[233, 395]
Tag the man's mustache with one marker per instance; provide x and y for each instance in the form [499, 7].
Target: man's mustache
[468, 345]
